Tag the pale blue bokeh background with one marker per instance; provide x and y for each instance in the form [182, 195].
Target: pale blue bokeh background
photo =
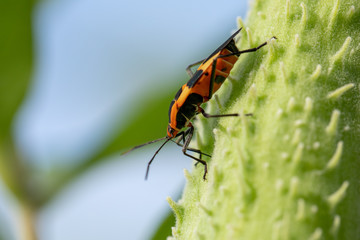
[95, 59]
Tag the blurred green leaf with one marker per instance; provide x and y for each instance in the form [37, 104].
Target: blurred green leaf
[164, 229]
[149, 123]
[2, 236]
[16, 57]
[4, 229]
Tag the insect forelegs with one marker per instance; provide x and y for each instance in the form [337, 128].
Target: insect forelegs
[187, 140]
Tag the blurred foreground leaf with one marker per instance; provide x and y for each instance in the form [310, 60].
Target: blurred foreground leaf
[164, 229]
[149, 123]
[15, 58]
[15, 73]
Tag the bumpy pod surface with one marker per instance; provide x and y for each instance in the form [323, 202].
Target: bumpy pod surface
[292, 170]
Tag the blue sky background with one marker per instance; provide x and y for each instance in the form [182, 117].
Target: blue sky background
[94, 60]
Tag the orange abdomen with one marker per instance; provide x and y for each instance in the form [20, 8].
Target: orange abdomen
[223, 68]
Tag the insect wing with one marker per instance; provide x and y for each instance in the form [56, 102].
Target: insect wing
[222, 46]
[199, 71]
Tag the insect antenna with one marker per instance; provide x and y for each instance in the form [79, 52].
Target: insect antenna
[148, 166]
[144, 144]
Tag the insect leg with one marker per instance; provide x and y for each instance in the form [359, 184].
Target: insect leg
[149, 163]
[182, 137]
[212, 76]
[246, 50]
[188, 69]
[185, 147]
[193, 150]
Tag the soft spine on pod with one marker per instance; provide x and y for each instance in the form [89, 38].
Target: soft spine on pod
[292, 170]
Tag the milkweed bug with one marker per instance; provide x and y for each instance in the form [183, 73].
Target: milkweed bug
[206, 80]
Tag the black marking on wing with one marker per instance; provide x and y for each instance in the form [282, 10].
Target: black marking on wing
[219, 79]
[177, 95]
[224, 45]
[194, 78]
[171, 105]
[228, 44]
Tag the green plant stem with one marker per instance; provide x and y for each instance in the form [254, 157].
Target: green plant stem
[28, 222]
[15, 174]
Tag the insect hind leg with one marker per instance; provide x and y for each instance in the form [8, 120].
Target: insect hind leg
[188, 69]
[212, 76]
[247, 50]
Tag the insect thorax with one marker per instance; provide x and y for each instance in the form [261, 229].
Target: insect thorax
[188, 110]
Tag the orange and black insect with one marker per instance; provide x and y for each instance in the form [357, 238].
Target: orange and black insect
[206, 80]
